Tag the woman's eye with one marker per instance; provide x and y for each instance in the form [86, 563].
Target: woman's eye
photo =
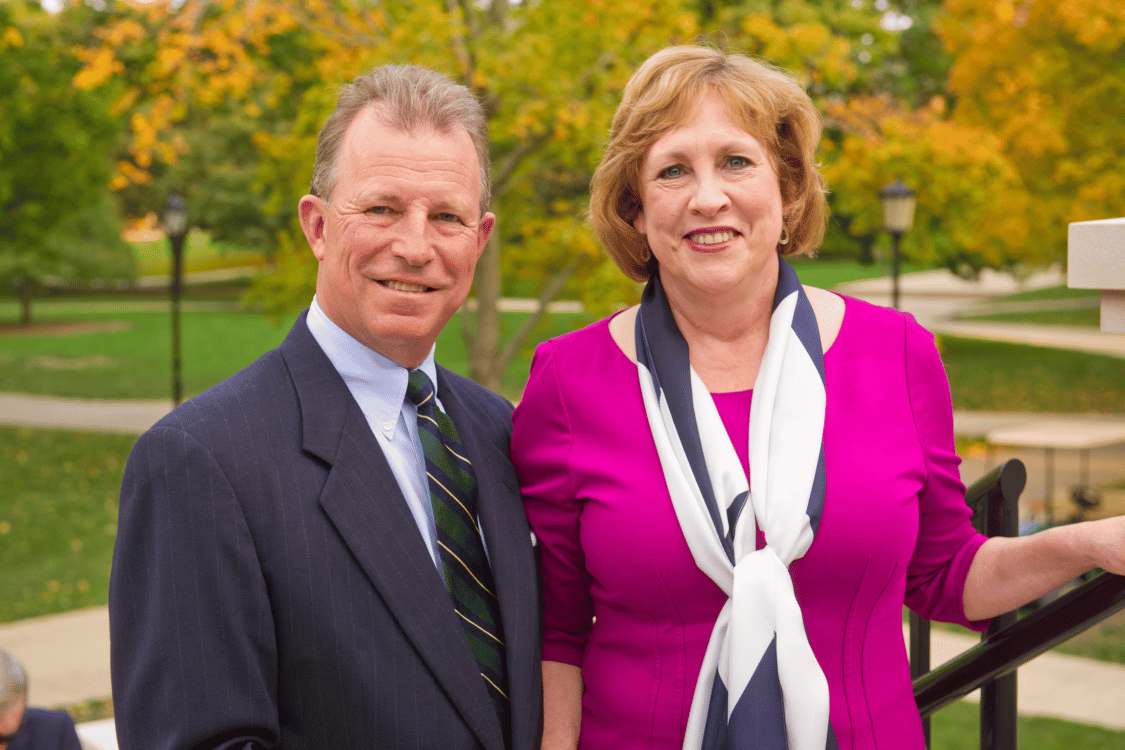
[671, 172]
[738, 162]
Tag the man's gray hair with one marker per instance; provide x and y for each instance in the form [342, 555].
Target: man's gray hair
[13, 683]
[414, 98]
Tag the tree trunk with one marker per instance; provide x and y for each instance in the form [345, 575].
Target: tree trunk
[483, 343]
[488, 361]
[25, 293]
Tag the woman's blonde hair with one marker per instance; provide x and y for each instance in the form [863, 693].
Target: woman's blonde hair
[665, 93]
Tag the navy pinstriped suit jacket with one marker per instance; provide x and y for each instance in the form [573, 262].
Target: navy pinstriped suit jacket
[270, 588]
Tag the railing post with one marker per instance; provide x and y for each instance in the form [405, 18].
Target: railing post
[998, 706]
[920, 658]
[994, 499]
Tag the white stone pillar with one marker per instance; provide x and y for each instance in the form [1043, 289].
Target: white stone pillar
[1096, 260]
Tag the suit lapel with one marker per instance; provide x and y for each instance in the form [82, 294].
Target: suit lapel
[366, 506]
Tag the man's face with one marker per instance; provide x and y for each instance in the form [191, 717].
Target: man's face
[10, 723]
[399, 241]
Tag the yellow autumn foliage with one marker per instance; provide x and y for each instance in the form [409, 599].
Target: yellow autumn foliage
[970, 199]
[1049, 80]
[100, 66]
[11, 37]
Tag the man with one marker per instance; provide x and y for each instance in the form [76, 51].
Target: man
[286, 575]
[23, 728]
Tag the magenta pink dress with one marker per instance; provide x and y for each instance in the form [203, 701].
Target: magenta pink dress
[895, 528]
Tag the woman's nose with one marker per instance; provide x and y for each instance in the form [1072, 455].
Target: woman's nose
[710, 198]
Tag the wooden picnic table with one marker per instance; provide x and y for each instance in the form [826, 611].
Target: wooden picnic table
[1065, 434]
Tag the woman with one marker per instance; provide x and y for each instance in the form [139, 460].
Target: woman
[701, 557]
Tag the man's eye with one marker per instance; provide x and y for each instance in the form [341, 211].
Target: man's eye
[379, 210]
[448, 217]
[671, 172]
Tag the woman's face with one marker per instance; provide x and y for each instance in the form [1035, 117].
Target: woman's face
[711, 207]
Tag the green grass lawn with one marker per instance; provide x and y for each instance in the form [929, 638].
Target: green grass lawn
[826, 273]
[451, 350]
[201, 253]
[127, 353]
[58, 518]
[990, 375]
[1049, 293]
[129, 358]
[1084, 316]
[957, 727]
[1088, 317]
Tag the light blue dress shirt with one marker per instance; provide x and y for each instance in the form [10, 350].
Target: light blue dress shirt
[379, 387]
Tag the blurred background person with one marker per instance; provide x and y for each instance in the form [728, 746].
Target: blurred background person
[26, 728]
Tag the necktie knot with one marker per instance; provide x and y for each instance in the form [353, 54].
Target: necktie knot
[419, 389]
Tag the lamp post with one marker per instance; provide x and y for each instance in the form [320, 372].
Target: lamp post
[898, 216]
[175, 223]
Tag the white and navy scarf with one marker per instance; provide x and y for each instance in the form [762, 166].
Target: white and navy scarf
[760, 686]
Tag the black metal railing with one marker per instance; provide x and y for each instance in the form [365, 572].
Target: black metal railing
[1010, 641]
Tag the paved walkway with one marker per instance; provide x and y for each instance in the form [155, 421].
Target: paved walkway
[68, 654]
[129, 417]
[1052, 684]
[933, 297]
[1086, 340]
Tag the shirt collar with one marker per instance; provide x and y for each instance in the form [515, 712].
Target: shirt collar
[364, 368]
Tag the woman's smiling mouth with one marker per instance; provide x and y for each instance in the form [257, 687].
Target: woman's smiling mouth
[711, 236]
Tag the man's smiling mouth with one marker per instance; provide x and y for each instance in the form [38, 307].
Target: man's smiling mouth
[405, 286]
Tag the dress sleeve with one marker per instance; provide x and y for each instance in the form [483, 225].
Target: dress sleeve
[541, 447]
[947, 542]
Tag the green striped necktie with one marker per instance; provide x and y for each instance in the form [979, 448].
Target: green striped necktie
[453, 491]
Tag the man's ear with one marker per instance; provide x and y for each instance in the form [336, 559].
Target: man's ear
[484, 231]
[313, 213]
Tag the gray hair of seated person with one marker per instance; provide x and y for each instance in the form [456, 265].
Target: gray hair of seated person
[13, 683]
[413, 99]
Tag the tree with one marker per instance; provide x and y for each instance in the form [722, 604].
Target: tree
[1049, 80]
[229, 96]
[198, 82]
[549, 75]
[59, 220]
[970, 198]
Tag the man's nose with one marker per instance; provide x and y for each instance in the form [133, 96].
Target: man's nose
[413, 243]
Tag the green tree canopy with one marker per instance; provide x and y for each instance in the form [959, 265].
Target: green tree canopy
[223, 99]
[57, 218]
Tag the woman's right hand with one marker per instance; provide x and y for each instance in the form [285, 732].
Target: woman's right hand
[562, 705]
